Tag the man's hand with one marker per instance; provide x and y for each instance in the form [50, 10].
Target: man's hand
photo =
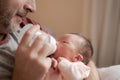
[31, 61]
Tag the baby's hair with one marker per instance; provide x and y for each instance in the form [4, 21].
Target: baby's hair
[86, 49]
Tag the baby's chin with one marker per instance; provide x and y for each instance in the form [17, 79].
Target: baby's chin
[53, 56]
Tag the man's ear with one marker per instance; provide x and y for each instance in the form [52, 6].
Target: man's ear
[78, 57]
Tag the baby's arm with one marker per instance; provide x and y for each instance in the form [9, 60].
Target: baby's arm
[73, 70]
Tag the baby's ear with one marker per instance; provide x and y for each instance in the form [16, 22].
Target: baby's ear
[78, 57]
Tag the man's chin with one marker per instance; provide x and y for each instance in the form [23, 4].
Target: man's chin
[13, 28]
[15, 23]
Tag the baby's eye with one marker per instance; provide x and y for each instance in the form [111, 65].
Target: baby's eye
[64, 42]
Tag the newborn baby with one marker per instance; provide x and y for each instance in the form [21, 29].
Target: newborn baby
[69, 61]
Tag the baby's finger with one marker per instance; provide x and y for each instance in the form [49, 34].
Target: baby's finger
[44, 52]
[54, 63]
[38, 43]
[60, 59]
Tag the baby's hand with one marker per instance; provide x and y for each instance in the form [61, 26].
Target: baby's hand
[54, 63]
[60, 59]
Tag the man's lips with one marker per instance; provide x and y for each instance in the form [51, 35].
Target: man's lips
[21, 15]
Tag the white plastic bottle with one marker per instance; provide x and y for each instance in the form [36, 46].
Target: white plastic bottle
[51, 39]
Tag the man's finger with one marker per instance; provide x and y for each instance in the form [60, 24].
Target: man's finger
[28, 35]
[38, 43]
[44, 51]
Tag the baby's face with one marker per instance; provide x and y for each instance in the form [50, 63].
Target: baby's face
[67, 46]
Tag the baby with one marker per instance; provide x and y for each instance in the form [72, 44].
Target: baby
[70, 59]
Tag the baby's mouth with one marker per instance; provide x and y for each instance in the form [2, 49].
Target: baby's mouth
[51, 56]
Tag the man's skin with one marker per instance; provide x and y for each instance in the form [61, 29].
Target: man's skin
[30, 61]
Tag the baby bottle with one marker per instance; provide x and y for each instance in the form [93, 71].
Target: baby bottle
[50, 40]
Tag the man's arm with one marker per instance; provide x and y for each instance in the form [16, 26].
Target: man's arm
[93, 73]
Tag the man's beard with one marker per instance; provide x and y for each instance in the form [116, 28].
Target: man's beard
[5, 21]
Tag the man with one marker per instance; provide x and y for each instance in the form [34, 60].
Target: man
[30, 61]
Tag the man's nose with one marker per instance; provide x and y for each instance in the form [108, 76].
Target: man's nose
[30, 6]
